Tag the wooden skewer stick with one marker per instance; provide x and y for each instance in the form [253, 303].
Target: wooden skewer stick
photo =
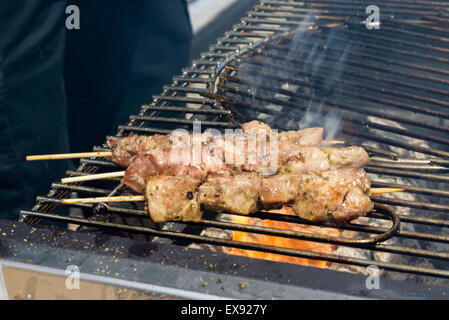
[385, 190]
[332, 142]
[142, 198]
[91, 177]
[104, 199]
[70, 155]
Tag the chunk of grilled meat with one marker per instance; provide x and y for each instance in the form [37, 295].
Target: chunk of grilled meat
[138, 172]
[124, 150]
[146, 165]
[231, 193]
[255, 126]
[300, 159]
[305, 137]
[338, 195]
[173, 198]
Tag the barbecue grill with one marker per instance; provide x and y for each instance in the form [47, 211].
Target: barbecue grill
[293, 64]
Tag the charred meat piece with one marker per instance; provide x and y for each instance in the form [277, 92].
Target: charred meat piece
[338, 195]
[231, 193]
[173, 198]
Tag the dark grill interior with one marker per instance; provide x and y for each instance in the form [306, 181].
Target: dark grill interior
[294, 64]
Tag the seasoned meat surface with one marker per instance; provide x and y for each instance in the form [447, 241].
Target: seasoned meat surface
[336, 195]
[354, 156]
[137, 173]
[124, 150]
[231, 193]
[356, 203]
[314, 159]
[277, 190]
[254, 127]
[305, 137]
[173, 198]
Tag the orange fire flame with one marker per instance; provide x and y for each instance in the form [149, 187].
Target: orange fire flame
[281, 241]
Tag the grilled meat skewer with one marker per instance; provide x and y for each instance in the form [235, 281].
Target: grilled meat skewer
[338, 195]
[125, 150]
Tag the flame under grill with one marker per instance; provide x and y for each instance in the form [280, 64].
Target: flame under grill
[386, 90]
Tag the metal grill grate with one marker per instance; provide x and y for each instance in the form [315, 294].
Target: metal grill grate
[397, 76]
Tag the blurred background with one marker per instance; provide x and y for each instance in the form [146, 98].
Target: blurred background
[211, 18]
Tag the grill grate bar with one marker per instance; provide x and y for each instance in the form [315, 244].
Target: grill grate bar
[80, 188]
[188, 110]
[183, 121]
[199, 101]
[144, 130]
[344, 4]
[407, 174]
[404, 166]
[413, 204]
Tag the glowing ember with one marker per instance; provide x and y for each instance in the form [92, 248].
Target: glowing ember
[282, 242]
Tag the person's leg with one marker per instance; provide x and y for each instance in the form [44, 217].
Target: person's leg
[32, 99]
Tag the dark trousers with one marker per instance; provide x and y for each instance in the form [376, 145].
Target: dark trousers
[124, 52]
[32, 99]
[58, 96]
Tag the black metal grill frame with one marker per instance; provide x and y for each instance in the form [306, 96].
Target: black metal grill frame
[195, 95]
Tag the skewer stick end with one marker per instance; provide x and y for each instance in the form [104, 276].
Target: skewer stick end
[377, 191]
